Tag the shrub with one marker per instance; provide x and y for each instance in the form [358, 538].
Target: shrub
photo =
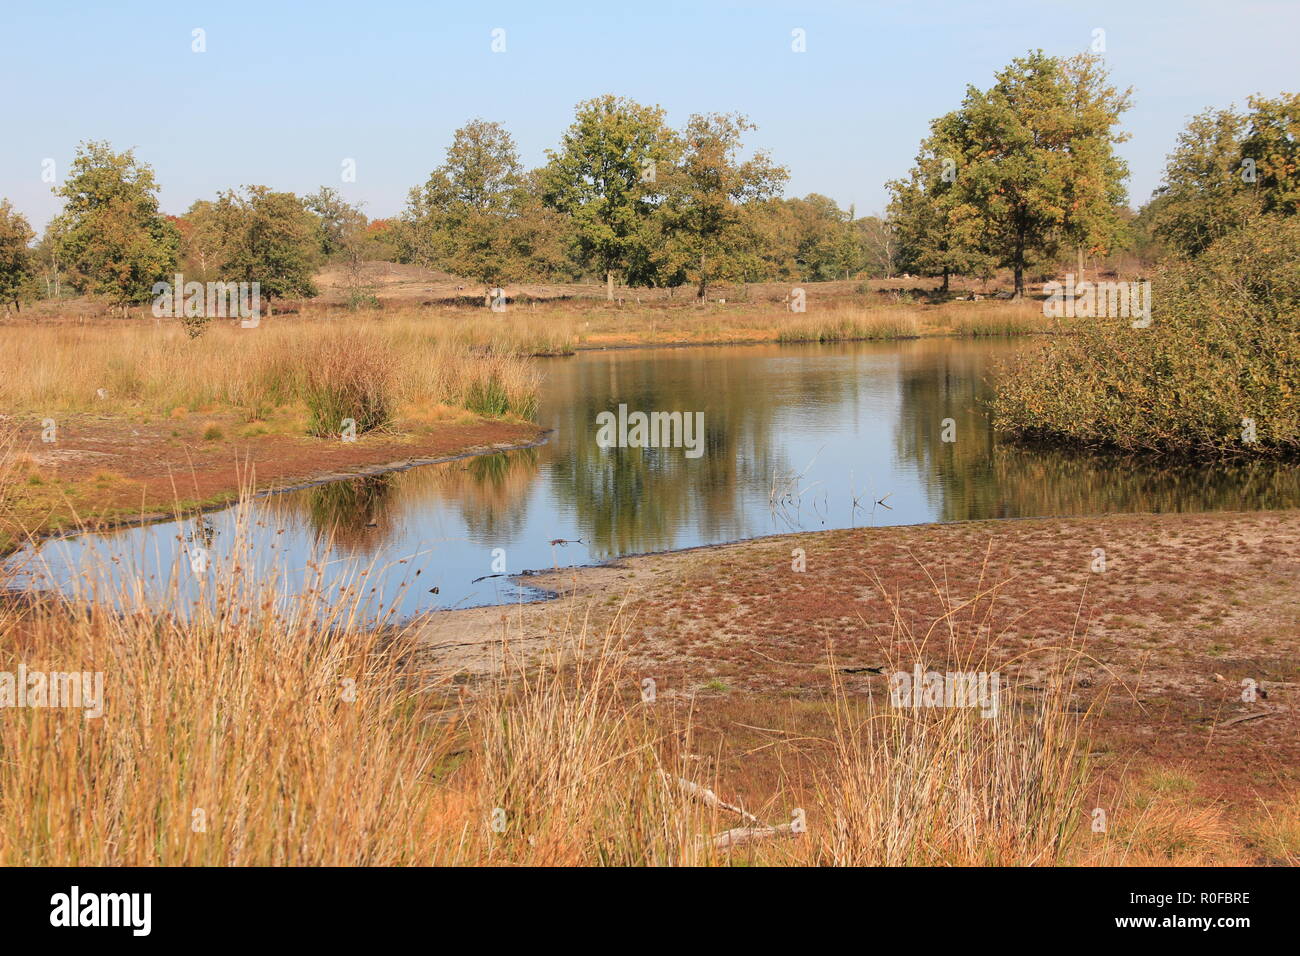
[1220, 360]
[348, 375]
[195, 325]
[362, 297]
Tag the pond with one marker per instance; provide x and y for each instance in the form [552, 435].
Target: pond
[793, 438]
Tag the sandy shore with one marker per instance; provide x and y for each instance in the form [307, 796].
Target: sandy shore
[1187, 608]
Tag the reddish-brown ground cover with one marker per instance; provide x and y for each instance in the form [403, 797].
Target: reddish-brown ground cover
[1189, 607]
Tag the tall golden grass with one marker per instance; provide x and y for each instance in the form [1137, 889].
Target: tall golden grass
[347, 376]
[941, 787]
[560, 327]
[230, 735]
[259, 729]
[254, 727]
[997, 318]
[142, 367]
[468, 358]
[844, 324]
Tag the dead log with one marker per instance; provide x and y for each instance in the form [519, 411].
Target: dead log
[740, 836]
[737, 836]
[708, 797]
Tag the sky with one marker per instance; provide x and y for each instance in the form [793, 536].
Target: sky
[284, 95]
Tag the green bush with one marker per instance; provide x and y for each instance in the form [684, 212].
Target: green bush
[1221, 355]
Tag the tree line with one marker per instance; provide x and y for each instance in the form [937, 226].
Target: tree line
[1025, 172]
[623, 198]
[1016, 177]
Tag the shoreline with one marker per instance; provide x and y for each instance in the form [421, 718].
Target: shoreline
[1188, 606]
[294, 462]
[361, 471]
[624, 343]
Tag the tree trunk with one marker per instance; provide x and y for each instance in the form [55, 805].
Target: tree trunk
[703, 290]
[944, 288]
[1020, 262]
[609, 285]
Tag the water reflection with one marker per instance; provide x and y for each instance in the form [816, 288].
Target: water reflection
[796, 438]
[354, 515]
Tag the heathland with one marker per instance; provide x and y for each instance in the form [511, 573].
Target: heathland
[523, 734]
[718, 706]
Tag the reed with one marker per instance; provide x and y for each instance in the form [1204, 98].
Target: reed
[850, 324]
[373, 363]
[995, 319]
[249, 727]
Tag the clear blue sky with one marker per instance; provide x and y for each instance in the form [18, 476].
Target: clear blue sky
[284, 93]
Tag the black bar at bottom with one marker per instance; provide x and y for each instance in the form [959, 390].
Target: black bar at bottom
[333, 906]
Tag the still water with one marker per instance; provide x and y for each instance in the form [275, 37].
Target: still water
[795, 438]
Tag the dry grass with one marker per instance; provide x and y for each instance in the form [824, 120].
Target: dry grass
[347, 376]
[466, 356]
[265, 732]
[145, 368]
[559, 327]
[254, 729]
[1162, 829]
[845, 324]
[251, 729]
[566, 772]
[993, 319]
[1276, 831]
[949, 787]
[228, 738]
[519, 331]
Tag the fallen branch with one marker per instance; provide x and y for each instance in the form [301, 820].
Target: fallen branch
[737, 836]
[740, 836]
[1242, 718]
[708, 797]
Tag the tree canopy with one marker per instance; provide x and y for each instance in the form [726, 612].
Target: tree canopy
[1018, 170]
[605, 178]
[110, 230]
[1226, 169]
[17, 264]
